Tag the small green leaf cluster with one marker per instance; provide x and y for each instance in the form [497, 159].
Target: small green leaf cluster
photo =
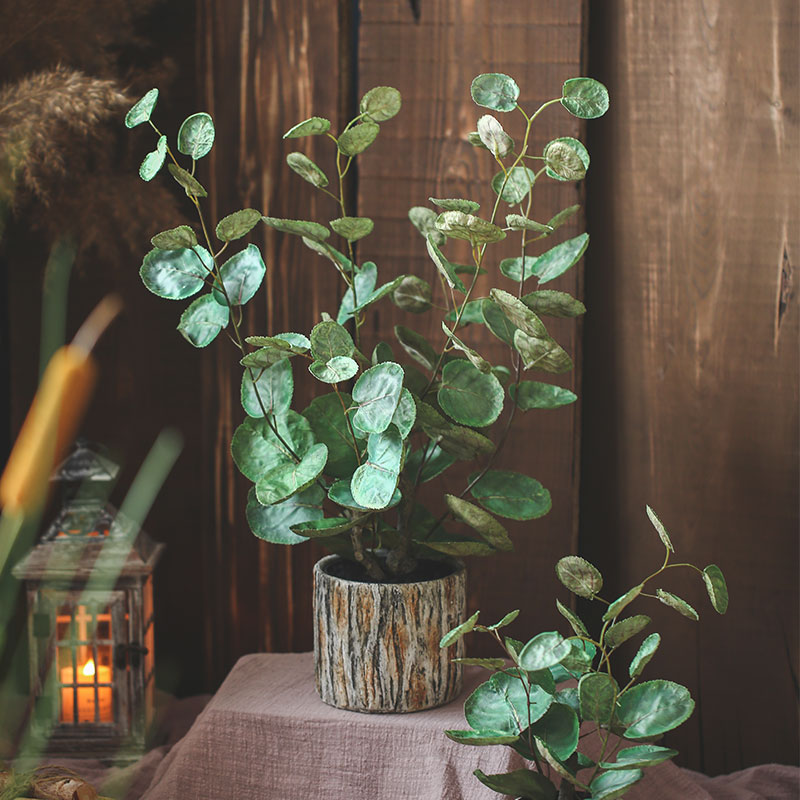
[346, 470]
[545, 689]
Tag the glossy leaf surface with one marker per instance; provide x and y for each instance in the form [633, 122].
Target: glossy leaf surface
[275, 386]
[381, 103]
[191, 185]
[377, 393]
[284, 480]
[566, 159]
[202, 321]
[543, 651]
[520, 782]
[242, 276]
[357, 139]
[313, 126]
[557, 260]
[625, 629]
[306, 169]
[501, 704]
[327, 419]
[329, 339]
[584, 97]
[645, 652]
[238, 224]
[495, 90]
[196, 135]
[176, 274]
[610, 785]
[678, 603]
[298, 227]
[559, 730]
[532, 394]
[480, 521]
[654, 707]
[180, 238]
[597, 695]
[513, 186]
[716, 587]
[352, 228]
[469, 396]
[256, 449]
[579, 576]
[514, 270]
[553, 303]
[142, 110]
[512, 495]
[446, 269]
[374, 482]
[643, 755]
[453, 635]
[274, 523]
[154, 160]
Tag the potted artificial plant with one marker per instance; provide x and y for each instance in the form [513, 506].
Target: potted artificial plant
[346, 469]
[560, 703]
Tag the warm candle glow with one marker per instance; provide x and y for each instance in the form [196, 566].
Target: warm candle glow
[88, 676]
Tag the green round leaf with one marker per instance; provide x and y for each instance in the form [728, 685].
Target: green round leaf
[481, 521]
[680, 605]
[501, 704]
[597, 695]
[320, 528]
[522, 782]
[417, 346]
[580, 658]
[436, 462]
[514, 186]
[241, 275]
[559, 730]
[519, 314]
[357, 139]
[256, 449]
[452, 636]
[512, 268]
[475, 230]
[381, 103]
[274, 523]
[646, 651]
[142, 110]
[298, 227]
[352, 228]
[313, 126]
[328, 422]
[180, 238]
[196, 135]
[610, 785]
[495, 139]
[544, 354]
[557, 260]
[202, 321]
[154, 161]
[566, 159]
[448, 204]
[716, 587]
[543, 651]
[574, 620]
[518, 222]
[338, 369]
[445, 268]
[191, 185]
[660, 529]
[625, 629]
[424, 220]
[413, 294]
[283, 481]
[405, 414]
[643, 755]
[469, 396]
[377, 393]
[275, 386]
[584, 97]
[654, 707]
[329, 339]
[554, 304]
[532, 394]
[364, 279]
[511, 495]
[307, 169]
[238, 224]
[176, 274]
[562, 216]
[495, 90]
[621, 602]
[579, 576]
[340, 494]
[480, 738]
[506, 620]
[497, 322]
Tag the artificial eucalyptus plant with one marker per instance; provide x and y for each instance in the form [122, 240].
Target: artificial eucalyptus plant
[347, 469]
[533, 704]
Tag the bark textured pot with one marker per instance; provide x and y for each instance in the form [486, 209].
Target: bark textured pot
[376, 645]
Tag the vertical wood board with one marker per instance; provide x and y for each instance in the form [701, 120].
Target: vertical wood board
[691, 401]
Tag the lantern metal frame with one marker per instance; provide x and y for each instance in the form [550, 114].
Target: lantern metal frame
[88, 584]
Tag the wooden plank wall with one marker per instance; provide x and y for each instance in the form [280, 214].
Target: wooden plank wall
[431, 57]
[265, 66]
[691, 358]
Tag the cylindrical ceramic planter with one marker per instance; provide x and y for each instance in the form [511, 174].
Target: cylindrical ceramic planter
[376, 645]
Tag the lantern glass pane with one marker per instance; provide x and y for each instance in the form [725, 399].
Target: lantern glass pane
[85, 665]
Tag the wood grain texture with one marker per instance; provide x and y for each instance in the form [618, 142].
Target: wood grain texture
[376, 646]
[691, 370]
[265, 66]
[423, 152]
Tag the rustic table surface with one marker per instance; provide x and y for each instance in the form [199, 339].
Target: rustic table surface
[266, 736]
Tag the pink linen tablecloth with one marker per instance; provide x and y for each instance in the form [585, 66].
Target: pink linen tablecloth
[267, 736]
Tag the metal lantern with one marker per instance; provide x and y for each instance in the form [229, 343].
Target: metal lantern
[89, 590]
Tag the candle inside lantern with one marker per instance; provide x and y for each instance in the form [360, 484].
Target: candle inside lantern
[87, 674]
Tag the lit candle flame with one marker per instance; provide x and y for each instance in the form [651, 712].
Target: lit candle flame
[88, 668]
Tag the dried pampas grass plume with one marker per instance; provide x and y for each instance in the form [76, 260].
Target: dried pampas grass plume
[42, 118]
